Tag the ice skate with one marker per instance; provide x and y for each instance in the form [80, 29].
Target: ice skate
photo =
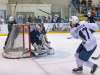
[94, 68]
[79, 69]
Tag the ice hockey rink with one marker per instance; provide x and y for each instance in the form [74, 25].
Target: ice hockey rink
[61, 63]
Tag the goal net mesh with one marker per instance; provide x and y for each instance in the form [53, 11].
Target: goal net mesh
[18, 42]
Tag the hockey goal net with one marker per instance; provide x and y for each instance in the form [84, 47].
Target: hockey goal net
[18, 43]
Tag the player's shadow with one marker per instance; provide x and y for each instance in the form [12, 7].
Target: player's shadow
[79, 73]
[59, 54]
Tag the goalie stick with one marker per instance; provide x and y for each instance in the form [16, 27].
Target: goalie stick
[95, 58]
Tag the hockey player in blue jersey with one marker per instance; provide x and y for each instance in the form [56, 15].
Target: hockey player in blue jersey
[35, 36]
[84, 31]
[38, 42]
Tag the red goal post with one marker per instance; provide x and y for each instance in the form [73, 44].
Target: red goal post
[18, 44]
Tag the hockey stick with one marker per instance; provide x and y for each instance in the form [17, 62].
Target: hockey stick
[69, 37]
[95, 58]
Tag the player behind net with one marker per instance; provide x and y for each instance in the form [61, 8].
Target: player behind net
[88, 45]
[11, 21]
[38, 41]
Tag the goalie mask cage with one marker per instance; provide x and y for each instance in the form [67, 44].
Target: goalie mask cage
[18, 43]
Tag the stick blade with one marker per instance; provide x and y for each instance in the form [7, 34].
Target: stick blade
[95, 58]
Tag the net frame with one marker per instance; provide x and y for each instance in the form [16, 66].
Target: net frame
[20, 52]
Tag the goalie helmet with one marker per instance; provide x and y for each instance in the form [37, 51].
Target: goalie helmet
[73, 20]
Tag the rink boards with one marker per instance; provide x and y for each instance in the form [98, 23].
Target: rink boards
[51, 28]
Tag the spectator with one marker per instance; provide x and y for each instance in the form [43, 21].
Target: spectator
[30, 19]
[98, 12]
[58, 20]
[89, 4]
[19, 19]
[1, 20]
[83, 6]
[49, 19]
[38, 19]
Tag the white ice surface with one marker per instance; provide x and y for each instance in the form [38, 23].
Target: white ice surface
[61, 63]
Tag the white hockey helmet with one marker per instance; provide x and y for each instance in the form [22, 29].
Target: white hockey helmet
[89, 14]
[73, 20]
[11, 18]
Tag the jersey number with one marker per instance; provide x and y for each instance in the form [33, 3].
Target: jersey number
[84, 35]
